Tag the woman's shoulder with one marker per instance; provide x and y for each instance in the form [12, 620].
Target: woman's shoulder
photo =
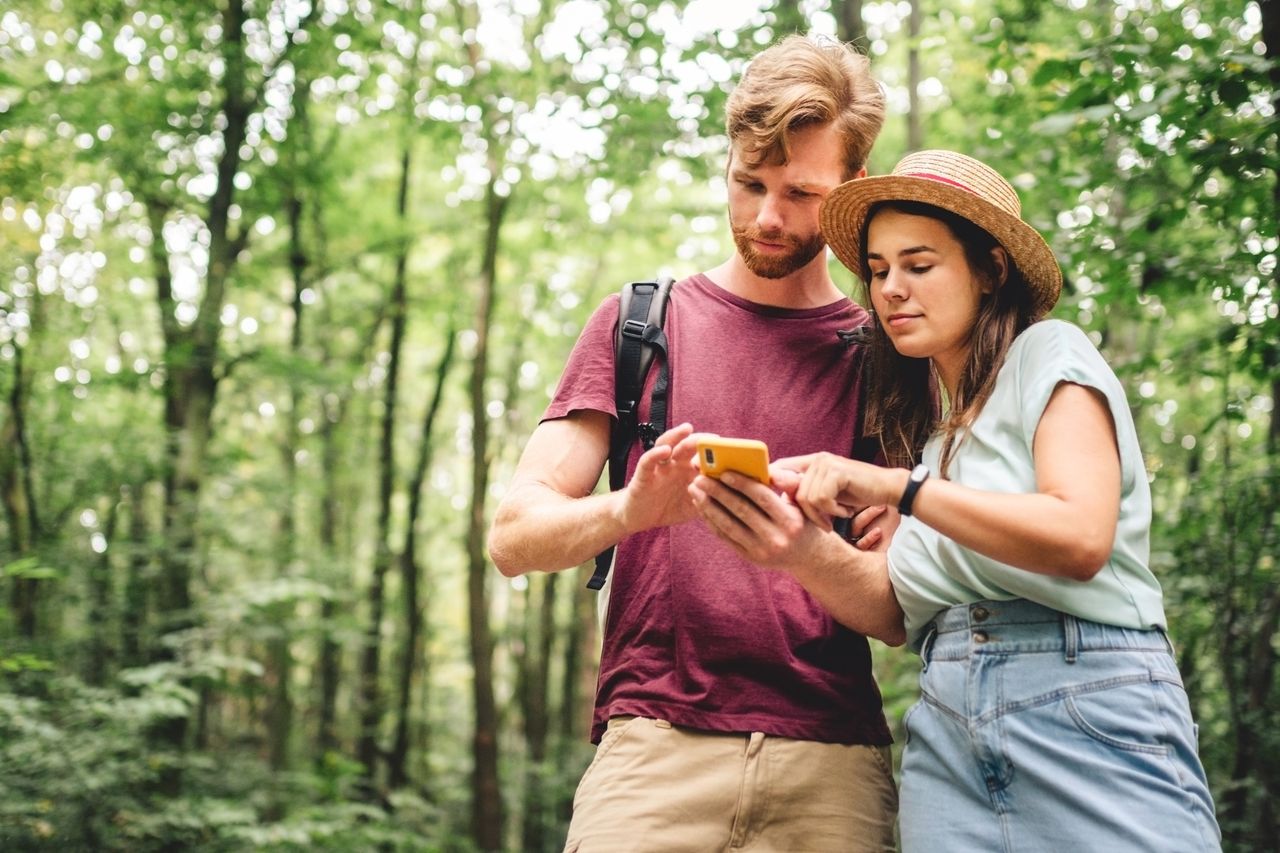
[1052, 351]
[1060, 332]
[1053, 342]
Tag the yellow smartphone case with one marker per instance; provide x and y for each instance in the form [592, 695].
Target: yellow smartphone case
[744, 455]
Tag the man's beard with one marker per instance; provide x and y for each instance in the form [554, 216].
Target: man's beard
[800, 253]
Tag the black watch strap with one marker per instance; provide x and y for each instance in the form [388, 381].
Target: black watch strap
[918, 475]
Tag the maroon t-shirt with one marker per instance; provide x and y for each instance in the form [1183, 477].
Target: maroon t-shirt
[696, 635]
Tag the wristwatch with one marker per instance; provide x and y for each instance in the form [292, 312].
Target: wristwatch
[918, 475]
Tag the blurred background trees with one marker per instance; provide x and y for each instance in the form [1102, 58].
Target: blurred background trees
[285, 285]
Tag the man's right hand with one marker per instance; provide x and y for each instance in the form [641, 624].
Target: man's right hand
[549, 519]
[658, 493]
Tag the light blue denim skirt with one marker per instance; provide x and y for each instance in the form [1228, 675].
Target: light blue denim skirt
[1039, 731]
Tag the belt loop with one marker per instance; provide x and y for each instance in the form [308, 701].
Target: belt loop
[927, 645]
[1168, 642]
[1070, 637]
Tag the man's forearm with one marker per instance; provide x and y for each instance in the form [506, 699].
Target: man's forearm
[538, 529]
[855, 589]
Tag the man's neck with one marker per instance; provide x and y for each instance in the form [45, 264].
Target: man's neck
[808, 287]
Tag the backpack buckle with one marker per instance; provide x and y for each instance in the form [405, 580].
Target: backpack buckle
[634, 329]
[648, 434]
[861, 335]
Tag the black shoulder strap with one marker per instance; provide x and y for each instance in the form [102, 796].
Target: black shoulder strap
[864, 448]
[642, 312]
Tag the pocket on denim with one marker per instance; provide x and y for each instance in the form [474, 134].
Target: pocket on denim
[1126, 717]
[906, 721]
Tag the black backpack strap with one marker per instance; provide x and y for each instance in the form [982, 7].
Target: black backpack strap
[642, 311]
[864, 448]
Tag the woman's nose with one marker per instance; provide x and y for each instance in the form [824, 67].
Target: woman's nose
[891, 286]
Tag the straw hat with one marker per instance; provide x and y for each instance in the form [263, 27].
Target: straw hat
[953, 182]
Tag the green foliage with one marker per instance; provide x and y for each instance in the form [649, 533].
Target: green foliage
[79, 770]
[29, 568]
[1143, 139]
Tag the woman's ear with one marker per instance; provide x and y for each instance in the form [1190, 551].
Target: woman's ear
[1000, 258]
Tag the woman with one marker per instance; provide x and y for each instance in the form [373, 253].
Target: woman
[1052, 714]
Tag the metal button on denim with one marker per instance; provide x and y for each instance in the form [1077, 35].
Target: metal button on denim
[980, 636]
[980, 614]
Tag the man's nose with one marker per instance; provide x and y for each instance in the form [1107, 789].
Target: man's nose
[770, 216]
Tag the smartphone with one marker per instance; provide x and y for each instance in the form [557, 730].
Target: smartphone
[744, 455]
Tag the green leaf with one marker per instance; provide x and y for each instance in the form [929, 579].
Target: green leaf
[1056, 123]
[30, 568]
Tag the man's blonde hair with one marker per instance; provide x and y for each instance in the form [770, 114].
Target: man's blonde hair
[802, 81]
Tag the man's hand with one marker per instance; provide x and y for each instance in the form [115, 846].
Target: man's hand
[658, 493]
[763, 526]
[767, 528]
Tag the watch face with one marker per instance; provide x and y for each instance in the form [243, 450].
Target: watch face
[918, 475]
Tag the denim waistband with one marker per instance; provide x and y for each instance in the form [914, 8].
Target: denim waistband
[1018, 625]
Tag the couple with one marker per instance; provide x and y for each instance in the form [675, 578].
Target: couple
[736, 707]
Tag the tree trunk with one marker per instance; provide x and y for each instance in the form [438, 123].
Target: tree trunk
[133, 615]
[280, 712]
[849, 23]
[1271, 39]
[370, 689]
[101, 609]
[915, 138]
[191, 358]
[329, 665]
[577, 702]
[486, 804]
[397, 776]
[19, 498]
[789, 18]
[537, 714]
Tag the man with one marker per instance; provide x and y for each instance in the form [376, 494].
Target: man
[732, 710]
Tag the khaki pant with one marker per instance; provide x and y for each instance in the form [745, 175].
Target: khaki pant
[658, 788]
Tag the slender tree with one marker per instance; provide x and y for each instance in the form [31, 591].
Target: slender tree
[411, 654]
[915, 137]
[18, 495]
[849, 24]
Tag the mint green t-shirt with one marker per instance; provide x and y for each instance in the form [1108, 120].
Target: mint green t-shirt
[931, 572]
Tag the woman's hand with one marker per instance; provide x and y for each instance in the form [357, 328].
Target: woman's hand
[832, 486]
[873, 528]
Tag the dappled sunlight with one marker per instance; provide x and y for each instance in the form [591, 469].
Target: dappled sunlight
[278, 314]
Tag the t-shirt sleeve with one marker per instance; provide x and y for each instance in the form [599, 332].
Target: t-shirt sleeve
[587, 381]
[1060, 352]
[1055, 352]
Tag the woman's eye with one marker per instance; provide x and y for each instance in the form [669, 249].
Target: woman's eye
[879, 274]
[921, 270]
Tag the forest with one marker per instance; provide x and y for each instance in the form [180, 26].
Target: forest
[285, 285]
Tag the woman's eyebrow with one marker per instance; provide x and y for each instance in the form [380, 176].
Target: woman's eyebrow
[914, 250]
